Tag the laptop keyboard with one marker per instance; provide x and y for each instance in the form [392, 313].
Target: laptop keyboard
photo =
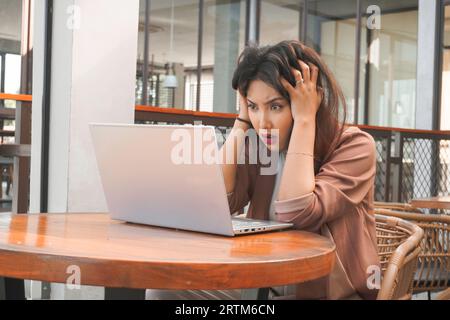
[243, 224]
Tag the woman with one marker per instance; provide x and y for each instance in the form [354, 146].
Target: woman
[326, 170]
[325, 185]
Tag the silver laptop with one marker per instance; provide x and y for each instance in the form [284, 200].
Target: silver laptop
[149, 176]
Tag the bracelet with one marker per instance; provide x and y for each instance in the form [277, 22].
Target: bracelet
[303, 153]
[245, 121]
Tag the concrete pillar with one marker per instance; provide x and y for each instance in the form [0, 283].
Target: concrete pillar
[178, 70]
[226, 51]
[427, 55]
[93, 80]
[253, 22]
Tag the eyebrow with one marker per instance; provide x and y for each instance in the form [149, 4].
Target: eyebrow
[270, 101]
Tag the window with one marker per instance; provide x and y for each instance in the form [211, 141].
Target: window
[391, 70]
[172, 49]
[223, 40]
[386, 65]
[331, 30]
[279, 21]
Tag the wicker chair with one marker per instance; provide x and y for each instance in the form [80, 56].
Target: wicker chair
[398, 248]
[433, 273]
[397, 206]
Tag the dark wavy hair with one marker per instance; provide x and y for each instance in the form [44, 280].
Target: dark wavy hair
[269, 63]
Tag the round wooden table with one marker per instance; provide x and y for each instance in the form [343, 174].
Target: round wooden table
[50, 247]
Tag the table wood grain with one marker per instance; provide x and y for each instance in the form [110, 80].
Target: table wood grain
[49, 247]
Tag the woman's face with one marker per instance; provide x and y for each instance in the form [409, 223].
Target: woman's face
[268, 110]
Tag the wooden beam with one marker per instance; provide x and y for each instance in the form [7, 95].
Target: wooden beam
[7, 114]
[15, 150]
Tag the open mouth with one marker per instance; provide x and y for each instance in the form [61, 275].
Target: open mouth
[269, 139]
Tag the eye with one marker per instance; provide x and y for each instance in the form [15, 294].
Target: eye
[276, 107]
[253, 107]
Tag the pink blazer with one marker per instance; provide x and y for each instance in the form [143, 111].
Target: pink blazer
[341, 207]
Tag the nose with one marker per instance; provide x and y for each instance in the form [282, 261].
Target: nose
[264, 121]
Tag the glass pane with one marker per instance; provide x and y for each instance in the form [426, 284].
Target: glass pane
[392, 54]
[279, 21]
[387, 56]
[10, 35]
[172, 49]
[447, 26]
[10, 25]
[331, 29]
[12, 73]
[223, 40]
[12, 77]
[445, 100]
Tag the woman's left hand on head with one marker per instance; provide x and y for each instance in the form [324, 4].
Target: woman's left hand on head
[305, 96]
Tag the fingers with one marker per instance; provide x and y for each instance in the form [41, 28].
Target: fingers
[305, 71]
[289, 88]
[243, 107]
[242, 100]
[308, 74]
[314, 73]
[297, 76]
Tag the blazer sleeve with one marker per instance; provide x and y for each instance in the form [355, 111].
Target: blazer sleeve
[340, 185]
